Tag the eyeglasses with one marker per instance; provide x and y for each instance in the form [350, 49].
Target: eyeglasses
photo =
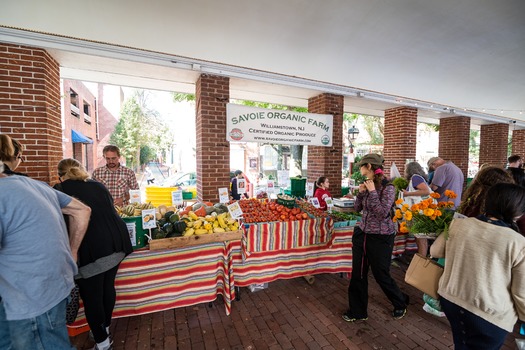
[22, 158]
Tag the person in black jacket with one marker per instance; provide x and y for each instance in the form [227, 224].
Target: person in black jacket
[105, 245]
[233, 185]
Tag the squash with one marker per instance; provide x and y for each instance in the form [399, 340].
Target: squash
[209, 204]
[201, 211]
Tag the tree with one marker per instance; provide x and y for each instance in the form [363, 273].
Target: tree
[137, 127]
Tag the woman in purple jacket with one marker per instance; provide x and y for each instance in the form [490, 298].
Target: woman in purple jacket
[373, 242]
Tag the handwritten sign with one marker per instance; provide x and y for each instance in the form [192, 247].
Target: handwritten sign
[224, 195]
[176, 198]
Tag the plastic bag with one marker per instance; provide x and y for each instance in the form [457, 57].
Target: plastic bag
[432, 306]
[394, 172]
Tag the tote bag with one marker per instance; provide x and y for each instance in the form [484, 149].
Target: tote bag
[424, 274]
[411, 200]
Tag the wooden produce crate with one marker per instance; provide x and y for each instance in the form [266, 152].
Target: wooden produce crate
[343, 210]
[177, 242]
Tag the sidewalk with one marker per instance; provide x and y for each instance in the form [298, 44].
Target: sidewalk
[289, 314]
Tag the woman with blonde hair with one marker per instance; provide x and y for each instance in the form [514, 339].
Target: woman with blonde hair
[11, 154]
[105, 245]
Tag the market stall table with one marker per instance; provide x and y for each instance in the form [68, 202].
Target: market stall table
[272, 251]
[150, 281]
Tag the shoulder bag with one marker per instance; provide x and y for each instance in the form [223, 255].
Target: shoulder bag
[424, 274]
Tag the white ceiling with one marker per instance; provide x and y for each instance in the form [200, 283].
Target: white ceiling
[463, 54]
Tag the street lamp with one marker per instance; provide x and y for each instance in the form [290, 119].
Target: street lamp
[353, 132]
[352, 135]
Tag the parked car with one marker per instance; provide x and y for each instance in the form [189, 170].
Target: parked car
[181, 179]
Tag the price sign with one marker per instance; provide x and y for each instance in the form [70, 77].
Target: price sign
[270, 187]
[176, 198]
[148, 219]
[310, 189]
[241, 186]
[315, 202]
[134, 196]
[283, 177]
[329, 203]
[235, 210]
[224, 195]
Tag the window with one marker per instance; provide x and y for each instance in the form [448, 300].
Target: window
[87, 112]
[73, 98]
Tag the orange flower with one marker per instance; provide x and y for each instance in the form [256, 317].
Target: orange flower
[450, 194]
[433, 206]
[399, 201]
[405, 206]
[450, 204]
[435, 195]
[423, 205]
[408, 215]
[441, 204]
[415, 207]
[438, 213]
[404, 209]
[428, 212]
[403, 228]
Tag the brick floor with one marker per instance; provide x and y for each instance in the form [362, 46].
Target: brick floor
[289, 314]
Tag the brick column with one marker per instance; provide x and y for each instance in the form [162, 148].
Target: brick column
[454, 137]
[400, 137]
[518, 143]
[493, 144]
[30, 107]
[213, 151]
[328, 161]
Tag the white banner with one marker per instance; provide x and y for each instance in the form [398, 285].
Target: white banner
[250, 124]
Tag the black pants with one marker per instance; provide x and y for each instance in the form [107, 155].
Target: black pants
[150, 181]
[375, 251]
[98, 294]
[471, 331]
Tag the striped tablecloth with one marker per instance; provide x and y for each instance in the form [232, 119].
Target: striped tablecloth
[286, 235]
[271, 265]
[150, 281]
[403, 243]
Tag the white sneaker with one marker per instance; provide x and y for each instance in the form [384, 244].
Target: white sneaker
[433, 311]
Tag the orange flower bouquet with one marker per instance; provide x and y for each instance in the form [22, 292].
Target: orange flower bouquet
[426, 218]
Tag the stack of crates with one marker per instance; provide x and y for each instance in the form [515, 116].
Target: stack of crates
[298, 187]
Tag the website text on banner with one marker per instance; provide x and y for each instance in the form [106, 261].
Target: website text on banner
[249, 124]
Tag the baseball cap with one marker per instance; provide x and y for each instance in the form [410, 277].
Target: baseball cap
[431, 161]
[371, 158]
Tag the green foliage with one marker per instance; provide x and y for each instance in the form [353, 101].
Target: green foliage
[400, 183]
[374, 127]
[180, 97]
[137, 127]
[147, 154]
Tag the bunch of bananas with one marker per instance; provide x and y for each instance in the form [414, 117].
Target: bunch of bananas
[213, 223]
[133, 209]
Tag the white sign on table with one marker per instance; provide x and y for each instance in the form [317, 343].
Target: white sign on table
[315, 202]
[250, 124]
[270, 187]
[224, 195]
[310, 189]
[148, 219]
[176, 198]
[241, 186]
[134, 196]
[235, 210]
[283, 178]
[329, 203]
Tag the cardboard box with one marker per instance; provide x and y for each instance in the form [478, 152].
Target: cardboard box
[177, 242]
